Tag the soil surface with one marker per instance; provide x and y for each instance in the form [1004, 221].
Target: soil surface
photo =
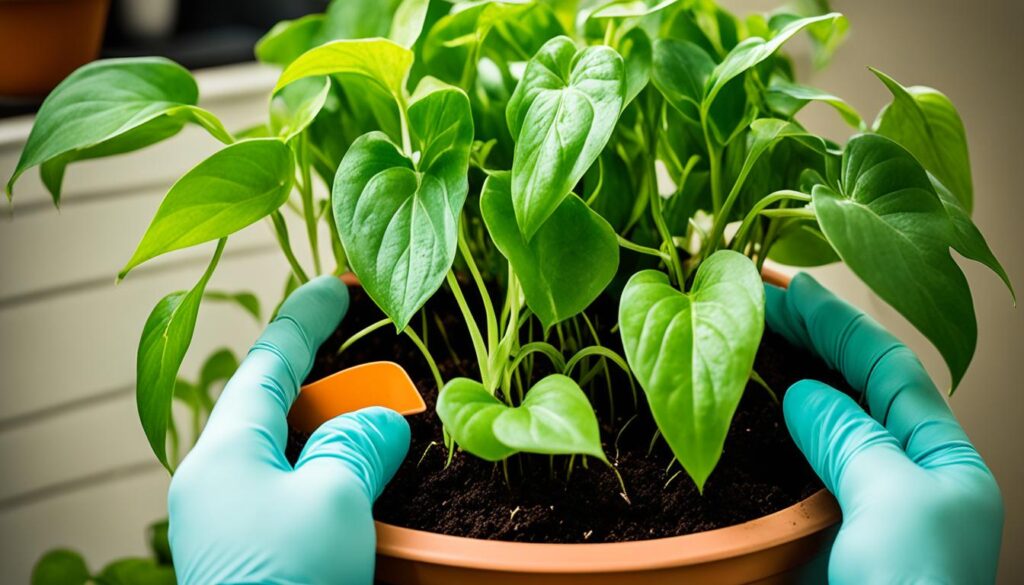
[761, 470]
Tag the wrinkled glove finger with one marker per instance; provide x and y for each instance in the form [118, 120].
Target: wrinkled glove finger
[257, 398]
[369, 444]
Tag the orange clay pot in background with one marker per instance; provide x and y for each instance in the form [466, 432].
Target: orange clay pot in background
[788, 546]
[43, 41]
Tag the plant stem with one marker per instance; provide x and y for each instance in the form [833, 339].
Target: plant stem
[308, 209]
[281, 231]
[474, 331]
[426, 355]
[491, 319]
[739, 241]
[624, 243]
[361, 334]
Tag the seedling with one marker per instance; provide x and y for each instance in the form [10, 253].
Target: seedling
[544, 156]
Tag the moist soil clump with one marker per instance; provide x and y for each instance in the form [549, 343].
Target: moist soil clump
[761, 470]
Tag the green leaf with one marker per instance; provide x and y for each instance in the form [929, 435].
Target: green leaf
[468, 412]
[105, 100]
[569, 261]
[246, 300]
[927, 124]
[288, 39]
[825, 36]
[555, 418]
[232, 189]
[633, 9]
[60, 567]
[358, 19]
[787, 98]
[692, 353]
[755, 50]
[887, 203]
[407, 23]
[637, 55]
[561, 115]
[136, 572]
[379, 60]
[800, 244]
[970, 242]
[398, 219]
[295, 107]
[680, 72]
[165, 339]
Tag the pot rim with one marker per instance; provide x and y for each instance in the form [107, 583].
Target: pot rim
[808, 516]
[811, 515]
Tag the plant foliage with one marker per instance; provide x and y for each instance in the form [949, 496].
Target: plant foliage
[547, 153]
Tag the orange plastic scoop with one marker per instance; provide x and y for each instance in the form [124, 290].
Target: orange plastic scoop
[372, 384]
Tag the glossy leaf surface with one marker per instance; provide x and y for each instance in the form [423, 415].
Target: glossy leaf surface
[398, 219]
[232, 189]
[165, 339]
[107, 99]
[561, 115]
[692, 353]
[378, 60]
[926, 123]
[555, 418]
[888, 203]
[569, 261]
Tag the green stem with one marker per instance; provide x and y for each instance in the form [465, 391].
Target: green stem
[362, 333]
[739, 241]
[426, 355]
[474, 331]
[491, 319]
[624, 243]
[308, 209]
[281, 231]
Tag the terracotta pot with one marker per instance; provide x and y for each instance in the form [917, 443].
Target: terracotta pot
[43, 41]
[787, 546]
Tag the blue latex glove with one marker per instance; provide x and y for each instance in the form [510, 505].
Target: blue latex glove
[239, 512]
[919, 505]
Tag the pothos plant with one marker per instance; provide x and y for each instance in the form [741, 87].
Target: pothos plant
[545, 153]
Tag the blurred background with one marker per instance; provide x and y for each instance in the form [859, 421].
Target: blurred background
[77, 471]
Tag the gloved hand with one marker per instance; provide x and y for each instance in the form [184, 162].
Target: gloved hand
[239, 512]
[919, 505]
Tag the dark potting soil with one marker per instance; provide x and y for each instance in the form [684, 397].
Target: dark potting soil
[761, 470]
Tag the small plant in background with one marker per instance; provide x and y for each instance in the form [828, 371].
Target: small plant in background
[545, 154]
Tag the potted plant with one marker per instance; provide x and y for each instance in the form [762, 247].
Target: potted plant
[559, 220]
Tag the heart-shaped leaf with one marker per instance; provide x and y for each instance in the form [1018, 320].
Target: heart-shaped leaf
[295, 107]
[926, 123]
[888, 203]
[398, 219]
[555, 418]
[569, 261]
[692, 353]
[468, 412]
[232, 189]
[105, 100]
[561, 115]
[165, 339]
